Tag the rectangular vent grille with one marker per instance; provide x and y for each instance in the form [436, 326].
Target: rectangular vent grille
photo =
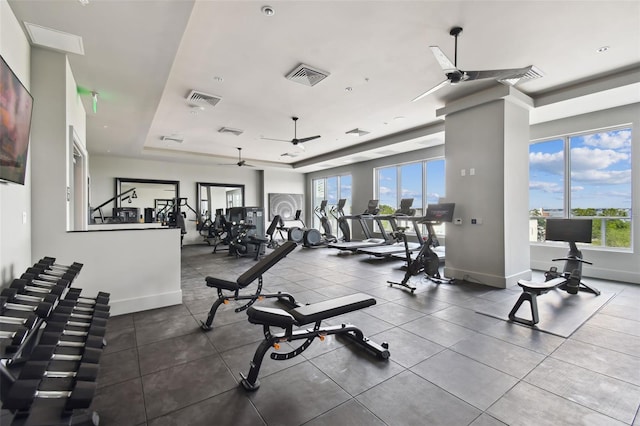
[309, 76]
[229, 130]
[357, 132]
[202, 99]
[528, 73]
[175, 139]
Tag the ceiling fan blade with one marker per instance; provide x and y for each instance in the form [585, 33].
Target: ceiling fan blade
[445, 63]
[430, 91]
[506, 76]
[310, 138]
[279, 140]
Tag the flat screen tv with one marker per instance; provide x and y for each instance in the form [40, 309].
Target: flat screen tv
[569, 230]
[15, 123]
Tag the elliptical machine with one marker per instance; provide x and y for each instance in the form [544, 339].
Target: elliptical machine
[426, 260]
[312, 237]
[337, 212]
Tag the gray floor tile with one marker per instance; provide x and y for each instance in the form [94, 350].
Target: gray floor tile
[177, 387]
[466, 318]
[121, 404]
[528, 405]
[423, 303]
[151, 317]
[230, 408]
[407, 349]
[234, 335]
[119, 338]
[238, 360]
[169, 352]
[621, 325]
[296, 395]
[486, 420]
[503, 356]
[525, 337]
[622, 311]
[120, 321]
[355, 370]
[605, 361]
[118, 367]
[606, 395]
[475, 383]
[166, 329]
[424, 404]
[620, 342]
[351, 413]
[439, 331]
[394, 313]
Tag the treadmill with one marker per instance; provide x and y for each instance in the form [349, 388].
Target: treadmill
[369, 214]
[405, 212]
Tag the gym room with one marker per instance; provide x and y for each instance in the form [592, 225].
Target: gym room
[319, 212]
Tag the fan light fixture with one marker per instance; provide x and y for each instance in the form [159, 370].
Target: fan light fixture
[268, 10]
[94, 98]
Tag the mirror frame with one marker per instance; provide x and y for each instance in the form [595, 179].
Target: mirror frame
[220, 185]
[120, 180]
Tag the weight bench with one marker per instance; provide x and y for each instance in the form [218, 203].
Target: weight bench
[253, 273]
[301, 316]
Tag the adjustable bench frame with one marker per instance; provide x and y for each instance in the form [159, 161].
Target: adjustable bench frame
[300, 316]
[255, 272]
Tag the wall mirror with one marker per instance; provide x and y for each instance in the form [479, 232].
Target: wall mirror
[143, 199]
[213, 196]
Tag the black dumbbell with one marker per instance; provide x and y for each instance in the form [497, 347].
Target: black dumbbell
[47, 275]
[61, 329]
[23, 392]
[12, 295]
[51, 263]
[42, 309]
[48, 353]
[65, 312]
[74, 321]
[101, 299]
[22, 285]
[94, 309]
[39, 369]
[54, 338]
[17, 337]
[69, 307]
[48, 282]
[25, 322]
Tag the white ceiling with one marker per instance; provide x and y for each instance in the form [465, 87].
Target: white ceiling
[144, 57]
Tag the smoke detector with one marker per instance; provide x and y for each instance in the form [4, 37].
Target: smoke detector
[197, 98]
[236, 132]
[307, 75]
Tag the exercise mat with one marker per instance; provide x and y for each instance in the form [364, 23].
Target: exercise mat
[560, 313]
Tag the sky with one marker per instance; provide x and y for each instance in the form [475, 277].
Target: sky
[411, 183]
[600, 165]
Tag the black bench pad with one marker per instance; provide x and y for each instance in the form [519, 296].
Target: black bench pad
[221, 284]
[309, 313]
[265, 264]
[541, 287]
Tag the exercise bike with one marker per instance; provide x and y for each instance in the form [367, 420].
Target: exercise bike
[312, 237]
[426, 260]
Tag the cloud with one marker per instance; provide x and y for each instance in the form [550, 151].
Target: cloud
[550, 187]
[584, 159]
[547, 162]
[382, 190]
[410, 193]
[602, 177]
[620, 139]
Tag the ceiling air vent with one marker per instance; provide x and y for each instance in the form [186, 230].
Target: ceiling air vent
[229, 130]
[176, 139]
[202, 99]
[309, 76]
[357, 132]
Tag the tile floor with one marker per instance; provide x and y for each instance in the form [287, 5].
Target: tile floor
[448, 365]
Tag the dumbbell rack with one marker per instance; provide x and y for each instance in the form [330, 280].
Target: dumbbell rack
[51, 340]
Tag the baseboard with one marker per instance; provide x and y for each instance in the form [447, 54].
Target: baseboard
[138, 304]
[486, 279]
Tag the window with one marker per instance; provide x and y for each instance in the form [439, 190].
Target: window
[583, 175]
[332, 189]
[423, 181]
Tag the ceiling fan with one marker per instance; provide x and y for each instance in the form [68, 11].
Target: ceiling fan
[240, 162]
[295, 139]
[455, 75]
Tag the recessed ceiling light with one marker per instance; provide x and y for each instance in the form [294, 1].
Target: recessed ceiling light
[348, 89]
[602, 49]
[268, 10]
[105, 126]
[83, 2]
[218, 79]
